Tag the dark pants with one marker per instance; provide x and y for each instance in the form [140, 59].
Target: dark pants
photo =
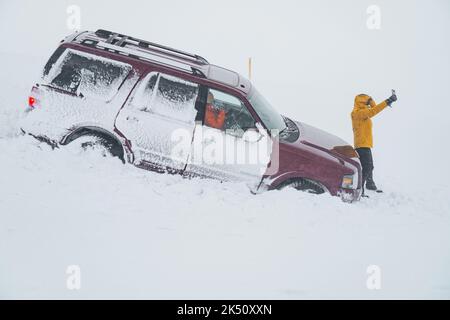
[365, 157]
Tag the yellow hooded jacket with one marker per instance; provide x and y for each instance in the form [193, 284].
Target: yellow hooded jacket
[361, 122]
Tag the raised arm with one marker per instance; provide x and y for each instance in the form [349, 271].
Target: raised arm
[370, 112]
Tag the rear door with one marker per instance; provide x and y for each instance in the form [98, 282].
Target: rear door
[159, 121]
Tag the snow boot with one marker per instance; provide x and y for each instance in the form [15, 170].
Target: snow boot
[370, 185]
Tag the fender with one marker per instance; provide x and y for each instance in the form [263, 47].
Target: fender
[275, 182]
[83, 130]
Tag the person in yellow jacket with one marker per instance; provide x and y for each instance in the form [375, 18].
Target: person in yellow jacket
[364, 109]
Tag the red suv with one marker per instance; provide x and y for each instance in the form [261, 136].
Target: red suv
[171, 111]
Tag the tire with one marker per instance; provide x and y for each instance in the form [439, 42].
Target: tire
[304, 185]
[106, 145]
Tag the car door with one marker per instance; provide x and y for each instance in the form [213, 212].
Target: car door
[228, 143]
[160, 107]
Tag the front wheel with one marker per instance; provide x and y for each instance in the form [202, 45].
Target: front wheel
[304, 185]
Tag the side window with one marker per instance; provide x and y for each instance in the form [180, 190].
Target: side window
[86, 74]
[167, 96]
[226, 112]
[55, 56]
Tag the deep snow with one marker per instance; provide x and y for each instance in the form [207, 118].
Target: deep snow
[138, 234]
[147, 235]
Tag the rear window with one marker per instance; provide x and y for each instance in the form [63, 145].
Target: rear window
[85, 74]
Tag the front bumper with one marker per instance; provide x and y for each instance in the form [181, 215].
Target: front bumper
[350, 195]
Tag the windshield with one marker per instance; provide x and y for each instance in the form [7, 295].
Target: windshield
[271, 118]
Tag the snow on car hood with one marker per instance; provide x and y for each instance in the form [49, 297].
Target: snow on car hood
[318, 138]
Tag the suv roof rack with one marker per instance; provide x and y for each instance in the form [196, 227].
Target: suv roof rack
[124, 39]
[142, 49]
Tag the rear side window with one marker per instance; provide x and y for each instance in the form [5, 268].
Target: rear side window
[55, 56]
[85, 74]
[175, 98]
[167, 96]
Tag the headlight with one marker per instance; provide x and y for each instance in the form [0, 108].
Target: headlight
[349, 181]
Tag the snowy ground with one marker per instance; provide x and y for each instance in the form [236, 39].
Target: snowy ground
[137, 234]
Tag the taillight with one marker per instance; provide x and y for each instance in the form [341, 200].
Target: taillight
[31, 101]
[34, 98]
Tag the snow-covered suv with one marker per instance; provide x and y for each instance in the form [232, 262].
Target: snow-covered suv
[167, 110]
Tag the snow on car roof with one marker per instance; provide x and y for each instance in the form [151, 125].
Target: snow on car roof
[228, 77]
[211, 72]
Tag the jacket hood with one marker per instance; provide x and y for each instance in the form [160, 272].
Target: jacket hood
[361, 101]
